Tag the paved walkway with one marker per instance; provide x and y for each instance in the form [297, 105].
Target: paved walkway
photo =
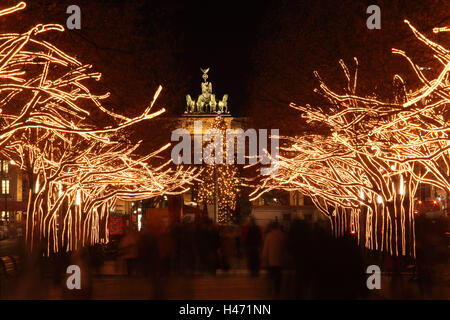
[231, 286]
[8, 246]
[113, 283]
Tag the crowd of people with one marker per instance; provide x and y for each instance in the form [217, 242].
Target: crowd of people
[324, 267]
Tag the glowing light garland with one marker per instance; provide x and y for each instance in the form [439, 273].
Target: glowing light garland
[226, 178]
[365, 174]
[42, 87]
[80, 170]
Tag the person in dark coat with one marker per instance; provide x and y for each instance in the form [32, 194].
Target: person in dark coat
[273, 256]
[253, 243]
[300, 246]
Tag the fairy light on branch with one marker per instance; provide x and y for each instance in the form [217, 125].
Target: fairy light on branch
[393, 145]
[225, 176]
[80, 169]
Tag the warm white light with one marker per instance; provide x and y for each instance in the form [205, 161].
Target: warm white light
[78, 198]
[402, 187]
[139, 221]
[60, 190]
[380, 199]
[95, 171]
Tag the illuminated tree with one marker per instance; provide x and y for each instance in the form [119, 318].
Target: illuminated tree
[220, 182]
[375, 155]
[350, 190]
[50, 128]
[78, 181]
[43, 87]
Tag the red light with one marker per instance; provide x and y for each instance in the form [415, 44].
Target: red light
[416, 211]
[434, 202]
[420, 202]
[353, 232]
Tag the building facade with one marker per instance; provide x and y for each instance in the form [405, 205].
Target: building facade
[14, 195]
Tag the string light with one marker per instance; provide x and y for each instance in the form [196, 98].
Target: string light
[78, 198]
[379, 199]
[402, 187]
[225, 177]
[81, 169]
[373, 147]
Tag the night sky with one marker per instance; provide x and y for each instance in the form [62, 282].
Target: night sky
[220, 35]
[262, 54]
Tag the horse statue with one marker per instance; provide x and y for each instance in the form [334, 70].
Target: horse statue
[212, 103]
[201, 103]
[190, 104]
[223, 105]
[204, 99]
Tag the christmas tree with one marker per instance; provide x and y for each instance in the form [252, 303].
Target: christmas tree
[220, 182]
